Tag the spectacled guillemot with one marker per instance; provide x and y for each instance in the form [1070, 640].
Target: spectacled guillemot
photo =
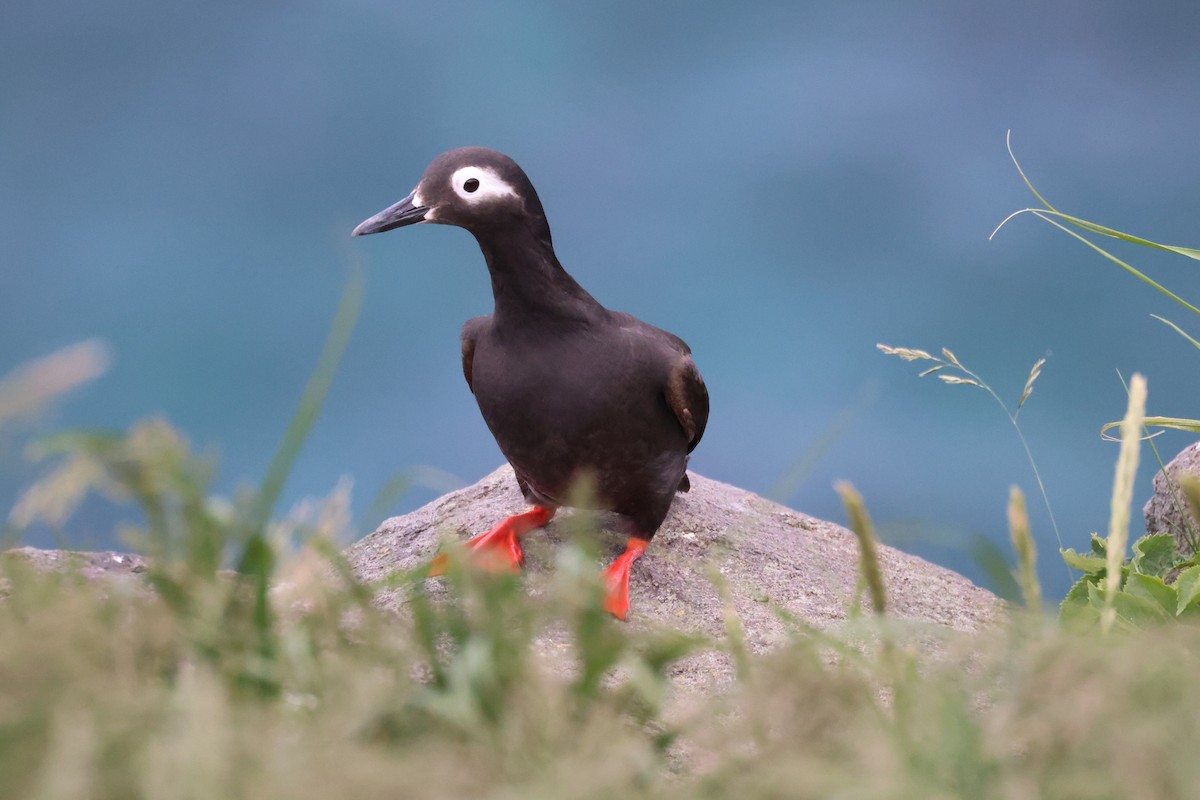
[571, 391]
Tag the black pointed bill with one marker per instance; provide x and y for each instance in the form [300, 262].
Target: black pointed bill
[397, 216]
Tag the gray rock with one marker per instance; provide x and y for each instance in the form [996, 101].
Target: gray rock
[768, 555]
[91, 565]
[1167, 511]
[110, 566]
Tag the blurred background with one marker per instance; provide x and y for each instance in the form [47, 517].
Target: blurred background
[783, 185]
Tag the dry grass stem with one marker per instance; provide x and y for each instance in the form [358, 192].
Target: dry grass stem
[860, 523]
[1025, 548]
[1122, 495]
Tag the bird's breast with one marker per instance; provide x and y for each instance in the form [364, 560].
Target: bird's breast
[563, 405]
[559, 384]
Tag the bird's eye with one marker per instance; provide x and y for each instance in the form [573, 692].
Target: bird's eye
[471, 184]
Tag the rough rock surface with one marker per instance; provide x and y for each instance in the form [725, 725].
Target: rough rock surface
[94, 566]
[769, 556]
[1165, 511]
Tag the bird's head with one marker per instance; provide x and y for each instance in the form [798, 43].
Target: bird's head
[472, 187]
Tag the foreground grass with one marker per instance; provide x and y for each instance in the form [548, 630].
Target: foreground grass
[107, 691]
[247, 662]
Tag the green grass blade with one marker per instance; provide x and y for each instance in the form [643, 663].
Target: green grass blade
[1131, 270]
[1112, 233]
[1021, 172]
[313, 397]
[1174, 423]
[1177, 329]
[835, 429]
[1187, 252]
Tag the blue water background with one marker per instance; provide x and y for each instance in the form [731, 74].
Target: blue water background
[784, 185]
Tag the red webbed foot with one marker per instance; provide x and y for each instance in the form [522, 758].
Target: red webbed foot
[499, 549]
[616, 578]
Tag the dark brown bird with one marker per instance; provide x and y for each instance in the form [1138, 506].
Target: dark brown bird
[571, 390]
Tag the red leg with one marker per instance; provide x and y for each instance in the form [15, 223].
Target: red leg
[498, 549]
[616, 578]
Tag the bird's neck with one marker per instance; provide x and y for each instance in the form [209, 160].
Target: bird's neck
[528, 282]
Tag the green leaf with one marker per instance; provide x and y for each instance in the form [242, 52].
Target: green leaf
[1078, 593]
[1099, 546]
[1132, 611]
[1155, 554]
[1075, 609]
[1187, 588]
[1092, 565]
[1079, 616]
[1150, 587]
[1139, 611]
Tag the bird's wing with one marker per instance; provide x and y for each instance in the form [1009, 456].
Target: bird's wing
[685, 391]
[470, 334]
[688, 398]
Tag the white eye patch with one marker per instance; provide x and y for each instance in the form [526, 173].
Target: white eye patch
[478, 185]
